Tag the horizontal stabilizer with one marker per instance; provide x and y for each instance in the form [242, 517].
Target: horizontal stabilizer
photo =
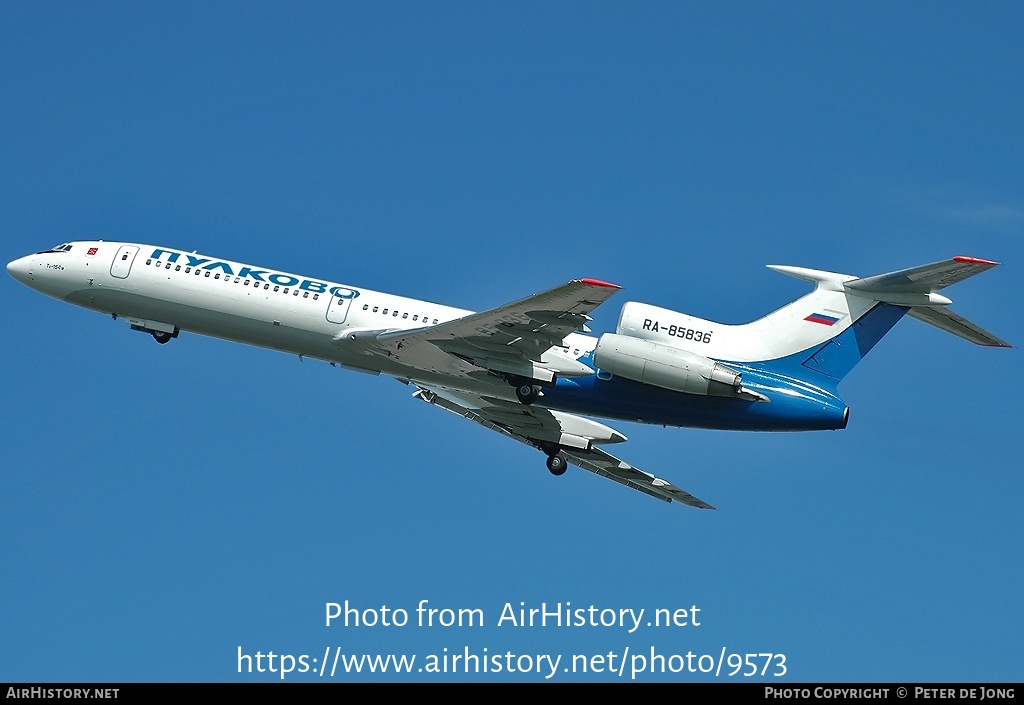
[831, 281]
[924, 279]
[957, 325]
[915, 288]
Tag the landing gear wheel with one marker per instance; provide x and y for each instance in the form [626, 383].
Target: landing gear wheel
[527, 393]
[161, 337]
[557, 464]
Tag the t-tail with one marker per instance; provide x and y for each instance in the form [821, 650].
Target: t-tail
[821, 337]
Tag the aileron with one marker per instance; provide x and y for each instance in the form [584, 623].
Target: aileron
[546, 430]
[525, 369]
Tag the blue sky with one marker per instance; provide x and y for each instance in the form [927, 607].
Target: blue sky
[162, 506]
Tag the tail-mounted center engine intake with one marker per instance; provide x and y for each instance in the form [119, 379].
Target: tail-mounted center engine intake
[668, 367]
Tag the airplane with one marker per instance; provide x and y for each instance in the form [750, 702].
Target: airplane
[527, 369]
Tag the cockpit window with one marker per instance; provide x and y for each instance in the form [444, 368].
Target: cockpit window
[59, 248]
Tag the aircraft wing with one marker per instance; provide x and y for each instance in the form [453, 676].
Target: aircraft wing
[537, 427]
[515, 339]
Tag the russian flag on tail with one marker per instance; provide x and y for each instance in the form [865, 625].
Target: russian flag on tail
[822, 318]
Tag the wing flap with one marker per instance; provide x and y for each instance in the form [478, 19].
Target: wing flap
[606, 465]
[533, 426]
[512, 338]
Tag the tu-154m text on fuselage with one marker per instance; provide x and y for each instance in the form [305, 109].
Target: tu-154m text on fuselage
[528, 369]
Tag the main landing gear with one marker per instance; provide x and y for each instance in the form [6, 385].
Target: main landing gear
[527, 392]
[161, 336]
[556, 461]
[557, 464]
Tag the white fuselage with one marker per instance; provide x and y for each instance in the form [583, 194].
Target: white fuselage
[778, 373]
[163, 290]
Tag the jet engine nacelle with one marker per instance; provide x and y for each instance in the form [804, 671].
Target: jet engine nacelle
[666, 366]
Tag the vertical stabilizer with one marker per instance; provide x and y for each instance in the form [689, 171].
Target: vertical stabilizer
[874, 305]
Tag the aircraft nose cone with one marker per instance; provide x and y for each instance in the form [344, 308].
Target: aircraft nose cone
[20, 269]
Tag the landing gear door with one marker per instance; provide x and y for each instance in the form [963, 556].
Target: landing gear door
[122, 263]
[341, 301]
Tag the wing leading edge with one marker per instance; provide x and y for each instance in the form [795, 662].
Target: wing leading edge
[522, 338]
[538, 427]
